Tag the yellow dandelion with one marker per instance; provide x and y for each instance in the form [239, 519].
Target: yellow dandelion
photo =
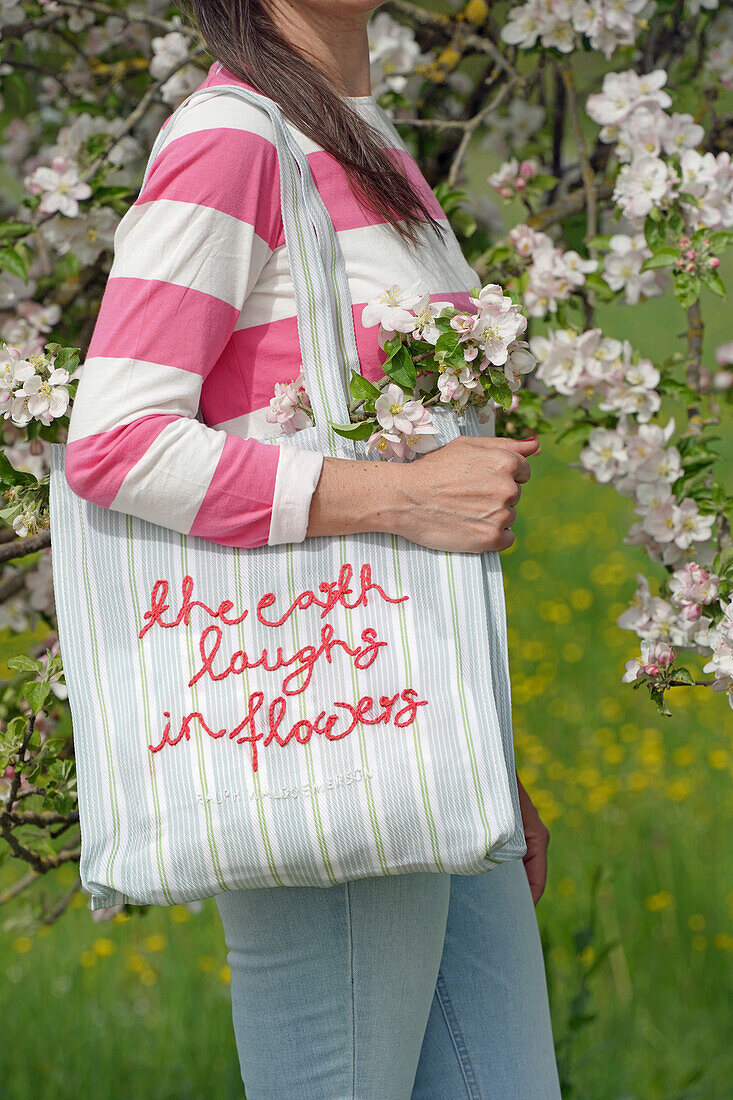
[683, 756]
[180, 914]
[225, 974]
[135, 963]
[88, 959]
[718, 759]
[655, 903]
[22, 944]
[696, 922]
[103, 947]
[156, 942]
[723, 941]
[581, 599]
[207, 963]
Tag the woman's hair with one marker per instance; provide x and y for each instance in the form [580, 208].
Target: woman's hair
[242, 36]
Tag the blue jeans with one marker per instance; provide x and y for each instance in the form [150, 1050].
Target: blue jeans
[405, 987]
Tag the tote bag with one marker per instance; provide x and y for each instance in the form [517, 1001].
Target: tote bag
[298, 714]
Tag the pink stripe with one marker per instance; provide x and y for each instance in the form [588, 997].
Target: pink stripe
[342, 204]
[197, 168]
[136, 321]
[96, 465]
[237, 508]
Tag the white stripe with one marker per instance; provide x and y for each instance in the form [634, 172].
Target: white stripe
[165, 486]
[439, 269]
[251, 425]
[297, 475]
[113, 392]
[189, 245]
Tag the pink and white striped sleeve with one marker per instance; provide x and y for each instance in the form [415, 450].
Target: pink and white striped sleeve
[186, 255]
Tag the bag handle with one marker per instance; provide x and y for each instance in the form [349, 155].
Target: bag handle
[321, 288]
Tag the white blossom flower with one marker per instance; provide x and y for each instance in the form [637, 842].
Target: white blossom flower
[391, 309]
[60, 187]
[622, 268]
[386, 445]
[641, 185]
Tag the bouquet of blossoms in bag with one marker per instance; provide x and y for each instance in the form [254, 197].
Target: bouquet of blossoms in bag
[435, 354]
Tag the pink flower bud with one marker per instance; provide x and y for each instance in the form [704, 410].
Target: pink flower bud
[527, 169]
[9, 772]
[691, 254]
[651, 670]
[713, 262]
[519, 183]
[684, 242]
[506, 192]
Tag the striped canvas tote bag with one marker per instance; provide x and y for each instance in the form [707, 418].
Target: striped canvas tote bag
[298, 714]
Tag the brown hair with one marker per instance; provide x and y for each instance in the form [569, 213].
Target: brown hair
[242, 36]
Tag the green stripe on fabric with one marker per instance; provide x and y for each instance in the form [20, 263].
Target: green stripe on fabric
[317, 373]
[464, 708]
[308, 749]
[416, 732]
[146, 706]
[362, 744]
[198, 740]
[102, 706]
[264, 832]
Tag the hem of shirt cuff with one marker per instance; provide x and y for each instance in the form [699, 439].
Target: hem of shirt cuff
[298, 471]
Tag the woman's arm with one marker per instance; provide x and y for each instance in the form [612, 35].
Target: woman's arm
[186, 255]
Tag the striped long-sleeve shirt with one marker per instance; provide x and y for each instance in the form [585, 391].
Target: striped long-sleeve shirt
[198, 322]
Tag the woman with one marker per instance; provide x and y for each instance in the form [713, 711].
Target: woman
[427, 986]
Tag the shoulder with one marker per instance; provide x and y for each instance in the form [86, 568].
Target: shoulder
[218, 153]
[223, 113]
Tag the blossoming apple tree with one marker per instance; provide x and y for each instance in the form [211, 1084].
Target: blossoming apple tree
[613, 185]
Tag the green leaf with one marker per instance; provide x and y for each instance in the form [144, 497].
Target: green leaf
[24, 663]
[361, 389]
[686, 289]
[663, 258]
[654, 233]
[498, 255]
[464, 222]
[13, 229]
[723, 561]
[402, 370]
[10, 476]
[720, 239]
[542, 182]
[36, 694]
[13, 261]
[603, 241]
[362, 430]
[683, 674]
[713, 282]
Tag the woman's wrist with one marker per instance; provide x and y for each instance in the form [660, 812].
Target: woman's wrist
[355, 496]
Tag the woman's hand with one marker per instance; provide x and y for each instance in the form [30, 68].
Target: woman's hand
[537, 836]
[463, 496]
[460, 497]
